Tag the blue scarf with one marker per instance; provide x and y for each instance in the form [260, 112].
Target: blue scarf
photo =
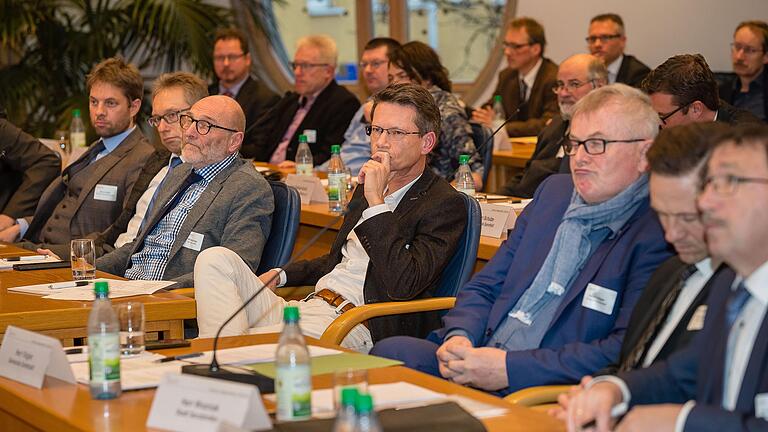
[571, 247]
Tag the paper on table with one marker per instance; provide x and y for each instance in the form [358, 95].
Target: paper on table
[4, 264]
[254, 354]
[332, 363]
[262, 169]
[136, 373]
[117, 289]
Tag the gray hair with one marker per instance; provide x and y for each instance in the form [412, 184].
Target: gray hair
[324, 44]
[639, 117]
[193, 87]
[597, 71]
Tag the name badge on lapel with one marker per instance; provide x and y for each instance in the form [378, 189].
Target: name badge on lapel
[104, 192]
[761, 406]
[194, 241]
[697, 319]
[599, 299]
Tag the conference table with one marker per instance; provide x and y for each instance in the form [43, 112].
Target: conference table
[508, 162]
[66, 407]
[67, 320]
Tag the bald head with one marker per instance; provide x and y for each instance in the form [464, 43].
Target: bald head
[576, 77]
[204, 145]
[227, 111]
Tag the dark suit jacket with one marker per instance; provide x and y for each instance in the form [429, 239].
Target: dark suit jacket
[543, 163]
[27, 167]
[579, 340]
[408, 249]
[730, 88]
[733, 116]
[329, 116]
[120, 167]
[234, 211]
[663, 280]
[541, 105]
[632, 71]
[696, 373]
[254, 97]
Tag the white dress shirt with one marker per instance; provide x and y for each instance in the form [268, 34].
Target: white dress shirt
[530, 79]
[613, 69]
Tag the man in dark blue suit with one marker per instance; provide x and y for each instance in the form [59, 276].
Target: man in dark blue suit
[719, 382]
[555, 300]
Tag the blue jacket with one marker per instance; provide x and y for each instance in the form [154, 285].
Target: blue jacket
[579, 341]
[696, 372]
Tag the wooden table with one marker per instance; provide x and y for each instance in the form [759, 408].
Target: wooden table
[67, 320]
[65, 407]
[507, 163]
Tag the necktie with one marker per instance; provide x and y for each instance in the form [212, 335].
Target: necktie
[175, 161]
[228, 93]
[86, 160]
[736, 302]
[632, 360]
[523, 91]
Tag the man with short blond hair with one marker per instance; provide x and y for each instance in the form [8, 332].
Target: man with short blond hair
[318, 107]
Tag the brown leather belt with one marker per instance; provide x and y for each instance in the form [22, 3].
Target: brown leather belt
[334, 299]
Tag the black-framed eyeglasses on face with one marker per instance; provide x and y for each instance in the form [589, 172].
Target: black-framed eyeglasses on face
[202, 126]
[746, 49]
[228, 58]
[375, 64]
[602, 38]
[571, 85]
[515, 46]
[727, 184]
[394, 135]
[170, 118]
[664, 117]
[593, 146]
[305, 66]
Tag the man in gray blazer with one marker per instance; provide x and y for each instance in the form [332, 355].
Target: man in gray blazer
[90, 193]
[215, 198]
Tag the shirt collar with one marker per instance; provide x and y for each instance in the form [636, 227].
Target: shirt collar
[757, 283]
[705, 267]
[208, 172]
[613, 68]
[112, 142]
[235, 89]
[530, 77]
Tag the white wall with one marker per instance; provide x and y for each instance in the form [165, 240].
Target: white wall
[656, 29]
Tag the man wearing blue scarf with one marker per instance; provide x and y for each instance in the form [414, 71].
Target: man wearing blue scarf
[554, 302]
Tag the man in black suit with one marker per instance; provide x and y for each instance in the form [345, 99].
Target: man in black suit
[717, 383]
[319, 108]
[683, 90]
[232, 64]
[607, 40]
[27, 167]
[526, 84]
[749, 55]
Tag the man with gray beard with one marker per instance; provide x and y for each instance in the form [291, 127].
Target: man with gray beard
[576, 77]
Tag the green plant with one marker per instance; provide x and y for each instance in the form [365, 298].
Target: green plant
[53, 44]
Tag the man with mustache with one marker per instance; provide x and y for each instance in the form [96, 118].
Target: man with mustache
[749, 54]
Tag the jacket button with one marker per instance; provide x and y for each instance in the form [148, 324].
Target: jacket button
[489, 332]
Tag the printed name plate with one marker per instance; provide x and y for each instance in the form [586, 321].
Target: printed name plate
[27, 357]
[497, 219]
[310, 188]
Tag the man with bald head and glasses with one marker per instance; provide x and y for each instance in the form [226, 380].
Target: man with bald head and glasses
[215, 198]
[555, 300]
[683, 90]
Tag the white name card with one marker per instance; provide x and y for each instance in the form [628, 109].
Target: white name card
[310, 188]
[188, 402]
[27, 357]
[497, 219]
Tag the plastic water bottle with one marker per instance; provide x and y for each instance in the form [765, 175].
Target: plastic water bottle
[103, 346]
[337, 182]
[366, 416]
[304, 162]
[464, 181]
[498, 109]
[77, 130]
[293, 385]
[346, 418]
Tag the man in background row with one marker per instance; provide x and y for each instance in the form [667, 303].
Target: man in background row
[607, 41]
[749, 55]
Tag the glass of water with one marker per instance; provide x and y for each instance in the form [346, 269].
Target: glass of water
[83, 259]
[357, 378]
[131, 317]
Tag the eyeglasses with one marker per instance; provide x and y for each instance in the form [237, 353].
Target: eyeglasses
[746, 49]
[394, 135]
[303, 66]
[202, 126]
[228, 58]
[373, 64]
[593, 146]
[514, 46]
[727, 184]
[571, 86]
[170, 118]
[683, 217]
[602, 38]
[664, 117]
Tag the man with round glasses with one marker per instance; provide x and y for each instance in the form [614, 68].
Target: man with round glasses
[215, 198]
[748, 90]
[553, 303]
[576, 77]
[607, 41]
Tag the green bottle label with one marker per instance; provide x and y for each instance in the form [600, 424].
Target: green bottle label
[104, 357]
[293, 387]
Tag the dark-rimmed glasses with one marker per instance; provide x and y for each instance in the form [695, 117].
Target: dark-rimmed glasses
[664, 117]
[229, 58]
[305, 66]
[394, 135]
[593, 146]
[571, 85]
[515, 46]
[170, 118]
[602, 38]
[202, 126]
[746, 49]
[373, 64]
[727, 184]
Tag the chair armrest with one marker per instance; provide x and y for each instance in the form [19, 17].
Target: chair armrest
[344, 323]
[538, 395]
[187, 292]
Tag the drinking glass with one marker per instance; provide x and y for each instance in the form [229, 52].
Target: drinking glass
[131, 317]
[345, 378]
[83, 259]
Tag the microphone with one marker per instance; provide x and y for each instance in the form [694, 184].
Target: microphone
[214, 370]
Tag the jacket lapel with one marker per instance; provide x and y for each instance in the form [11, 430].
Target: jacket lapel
[753, 375]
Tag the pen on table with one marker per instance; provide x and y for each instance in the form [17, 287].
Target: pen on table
[26, 258]
[179, 357]
[60, 285]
